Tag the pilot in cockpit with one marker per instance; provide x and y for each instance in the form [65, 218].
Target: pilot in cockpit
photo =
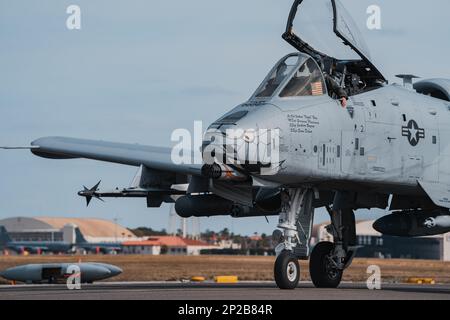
[335, 89]
[305, 77]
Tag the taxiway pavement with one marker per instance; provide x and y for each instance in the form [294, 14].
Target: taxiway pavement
[213, 291]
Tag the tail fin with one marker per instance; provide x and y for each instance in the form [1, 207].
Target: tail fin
[4, 237]
[79, 238]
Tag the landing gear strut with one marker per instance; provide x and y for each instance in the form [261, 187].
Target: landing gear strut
[296, 219]
[328, 259]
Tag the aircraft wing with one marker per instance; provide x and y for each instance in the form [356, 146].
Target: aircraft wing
[439, 193]
[157, 158]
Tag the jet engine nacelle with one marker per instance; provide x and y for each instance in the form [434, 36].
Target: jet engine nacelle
[437, 88]
[211, 205]
[413, 224]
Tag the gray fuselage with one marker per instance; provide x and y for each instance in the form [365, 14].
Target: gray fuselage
[372, 144]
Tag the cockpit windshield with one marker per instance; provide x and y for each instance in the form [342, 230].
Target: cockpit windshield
[306, 81]
[277, 76]
[301, 75]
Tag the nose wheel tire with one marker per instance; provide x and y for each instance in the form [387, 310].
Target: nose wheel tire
[287, 271]
[323, 272]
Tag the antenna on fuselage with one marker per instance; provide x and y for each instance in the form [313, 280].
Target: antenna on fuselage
[407, 80]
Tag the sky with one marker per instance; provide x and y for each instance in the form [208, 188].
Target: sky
[138, 69]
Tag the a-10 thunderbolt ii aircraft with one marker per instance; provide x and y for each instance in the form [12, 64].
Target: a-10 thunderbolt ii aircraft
[388, 148]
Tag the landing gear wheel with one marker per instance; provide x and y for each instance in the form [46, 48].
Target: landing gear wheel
[287, 271]
[323, 273]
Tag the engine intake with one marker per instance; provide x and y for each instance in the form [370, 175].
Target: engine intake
[436, 88]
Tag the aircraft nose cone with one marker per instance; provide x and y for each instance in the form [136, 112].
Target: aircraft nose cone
[387, 224]
[378, 226]
[115, 271]
[104, 273]
[15, 273]
[8, 275]
[393, 224]
[107, 270]
[95, 273]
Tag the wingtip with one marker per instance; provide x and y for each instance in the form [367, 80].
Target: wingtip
[19, 147]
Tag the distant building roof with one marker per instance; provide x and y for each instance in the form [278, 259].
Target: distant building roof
[142, 243]
[193, 242]
[169, 241]
[21, 224]
[255, 237]
[89, 227]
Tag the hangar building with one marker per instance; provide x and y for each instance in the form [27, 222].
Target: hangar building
[63, 229]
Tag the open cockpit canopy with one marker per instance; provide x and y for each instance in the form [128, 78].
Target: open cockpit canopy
[325, 30]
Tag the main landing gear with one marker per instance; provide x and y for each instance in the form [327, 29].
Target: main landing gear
[328, 260]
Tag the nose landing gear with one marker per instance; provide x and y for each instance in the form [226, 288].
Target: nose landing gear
[296, 219]
[287, 270]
